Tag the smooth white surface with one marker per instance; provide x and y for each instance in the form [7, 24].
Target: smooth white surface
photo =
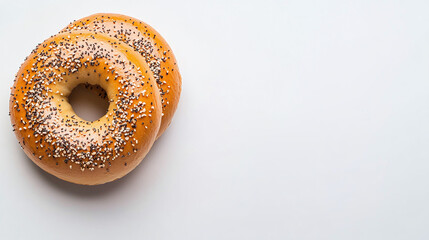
[298, 120]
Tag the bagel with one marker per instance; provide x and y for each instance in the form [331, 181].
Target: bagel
[150, 44]
[59, 141]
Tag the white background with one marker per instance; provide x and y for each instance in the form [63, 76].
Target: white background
[298, 120]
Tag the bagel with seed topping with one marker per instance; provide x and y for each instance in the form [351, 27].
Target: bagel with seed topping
[59, 141]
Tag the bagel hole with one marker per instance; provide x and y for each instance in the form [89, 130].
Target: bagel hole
[89, 102]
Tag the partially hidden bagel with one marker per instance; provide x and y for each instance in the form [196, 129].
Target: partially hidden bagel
[150, 44]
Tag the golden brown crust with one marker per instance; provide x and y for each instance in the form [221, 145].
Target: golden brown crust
[150, 44]
[56, 139]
